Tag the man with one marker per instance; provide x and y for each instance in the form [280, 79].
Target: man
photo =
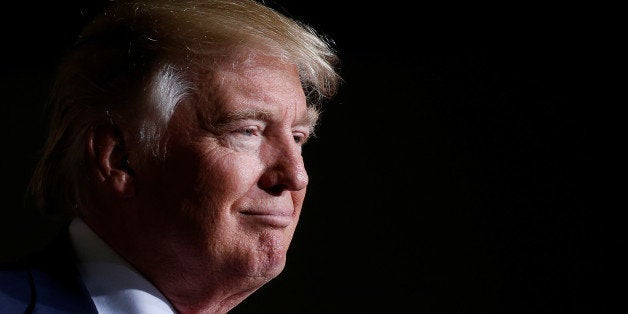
[175, 147]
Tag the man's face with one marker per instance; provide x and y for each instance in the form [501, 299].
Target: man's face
[233, 183]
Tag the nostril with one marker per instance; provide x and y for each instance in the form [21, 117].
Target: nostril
[283, 172]
[277, 189]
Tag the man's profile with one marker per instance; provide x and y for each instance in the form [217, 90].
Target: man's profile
[174, 149]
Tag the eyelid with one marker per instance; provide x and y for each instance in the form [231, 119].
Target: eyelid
[256, 128]
[228, 121]
[238, 125]
[306, 135]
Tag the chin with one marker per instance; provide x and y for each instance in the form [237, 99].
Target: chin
[267, 275]
[268, 259]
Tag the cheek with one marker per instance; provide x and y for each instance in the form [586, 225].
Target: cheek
[205, 180]
[216, 182]
[224, 177]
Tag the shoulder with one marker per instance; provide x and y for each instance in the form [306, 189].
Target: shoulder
[46, 281]
[15, 287]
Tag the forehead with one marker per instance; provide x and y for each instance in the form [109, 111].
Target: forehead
[260, 83]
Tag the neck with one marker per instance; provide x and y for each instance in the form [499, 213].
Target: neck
[189, 283]
[218, 304]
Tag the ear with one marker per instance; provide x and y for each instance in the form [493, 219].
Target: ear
[109, 160]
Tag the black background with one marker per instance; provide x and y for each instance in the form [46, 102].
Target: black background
[454, 172]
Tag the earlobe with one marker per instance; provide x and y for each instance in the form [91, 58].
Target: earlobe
[122, 183]
[109, 160]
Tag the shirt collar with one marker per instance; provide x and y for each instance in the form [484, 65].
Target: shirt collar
[114, 285]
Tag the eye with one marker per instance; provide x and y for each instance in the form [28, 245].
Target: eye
[245, 138]
[249, 131]
[300, 138]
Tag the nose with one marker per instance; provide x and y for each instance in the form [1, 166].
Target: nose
[285, 170]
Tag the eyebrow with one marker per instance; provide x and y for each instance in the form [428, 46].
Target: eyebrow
[309, 118]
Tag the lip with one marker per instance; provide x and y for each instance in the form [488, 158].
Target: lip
[280, 219]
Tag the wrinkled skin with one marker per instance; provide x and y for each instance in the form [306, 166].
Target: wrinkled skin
[215, 220]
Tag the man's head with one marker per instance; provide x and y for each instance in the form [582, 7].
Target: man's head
[176, 134]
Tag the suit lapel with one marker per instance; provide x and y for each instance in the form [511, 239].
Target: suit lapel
[55, 281]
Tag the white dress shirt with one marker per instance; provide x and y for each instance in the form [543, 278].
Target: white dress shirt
[114, 285]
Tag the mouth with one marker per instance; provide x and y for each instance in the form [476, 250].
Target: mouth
[275, 220]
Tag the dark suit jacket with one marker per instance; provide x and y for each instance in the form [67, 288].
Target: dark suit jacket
[45, 282]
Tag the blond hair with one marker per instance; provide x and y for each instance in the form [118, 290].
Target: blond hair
[130, 68]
